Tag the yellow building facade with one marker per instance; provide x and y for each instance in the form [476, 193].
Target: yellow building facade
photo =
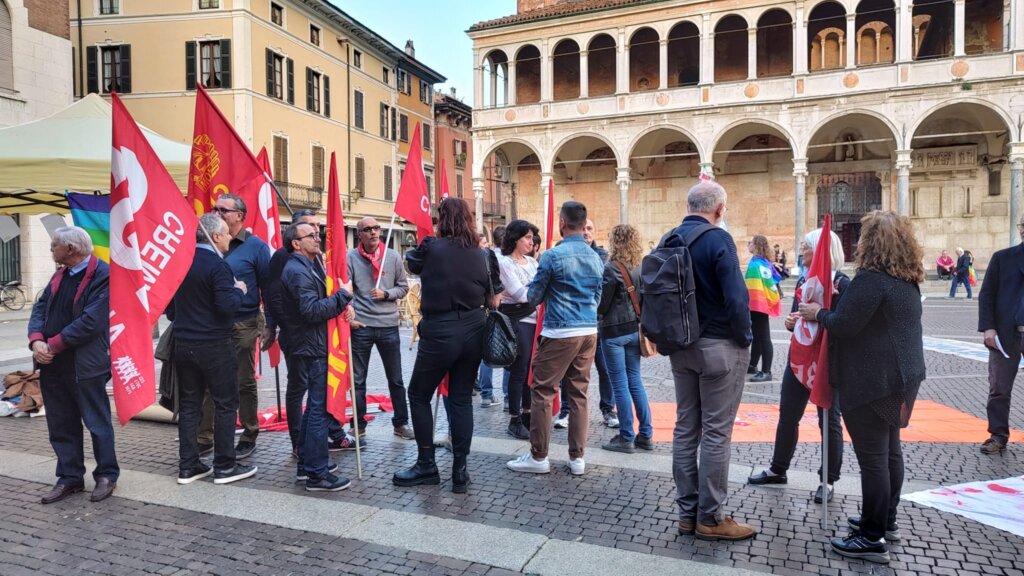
[300, 77]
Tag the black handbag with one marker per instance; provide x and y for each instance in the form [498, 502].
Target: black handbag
[500, 342]
[517, 311]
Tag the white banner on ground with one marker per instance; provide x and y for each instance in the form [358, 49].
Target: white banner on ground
[997, 503]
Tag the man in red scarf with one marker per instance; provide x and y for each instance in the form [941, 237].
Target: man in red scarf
[378, 282]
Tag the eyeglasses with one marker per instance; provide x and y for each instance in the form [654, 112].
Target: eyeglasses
[368, 229]
[310, 235]
[222, 210]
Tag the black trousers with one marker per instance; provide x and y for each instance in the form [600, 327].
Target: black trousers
[389, 346]
[450, 343]
[206, 366]
[761, 348]
[69, 403]
[1001, 373]
[518, 387]
[880, 455]
[792, 402]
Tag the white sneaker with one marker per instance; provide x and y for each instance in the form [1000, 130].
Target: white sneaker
[562, 422]
[611, 420]
[577, 467]
[526, 463]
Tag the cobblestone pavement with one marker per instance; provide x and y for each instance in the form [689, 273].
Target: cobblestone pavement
[619, 509]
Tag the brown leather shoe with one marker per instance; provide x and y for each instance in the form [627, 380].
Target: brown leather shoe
[727, 529]
[404, 432]
[104, 488]
[60, 492]
[686, 527]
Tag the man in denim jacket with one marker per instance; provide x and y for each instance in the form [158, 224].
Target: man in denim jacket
[568, 281]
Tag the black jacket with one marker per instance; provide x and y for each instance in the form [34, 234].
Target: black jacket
[616, 316]
[723, 303]
[306, 308]
[876, 346]
[999, 302]
[88, 334]
[963, 266]
[272, 291]
[453, 277]
[205, 304]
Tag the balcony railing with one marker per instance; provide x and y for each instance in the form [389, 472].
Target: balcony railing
[299, 196]
[494, 208]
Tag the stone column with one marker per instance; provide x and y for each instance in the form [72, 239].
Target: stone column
[707, 52]
[547, 88]
[903, 164]
[494, 85]
[851, 41]
[623, 181]
[663, 64]
[478, 195]
[1016, 189]
[584, 75]
[509, 199]
[545, 190]
[958, 28]
[478, 81]
[800, 51]
[622, 66]
[510, 96]
[708, 168]
[904, 32]
[800, 202]
[751, 53]
[1017, 25]
[626, 84]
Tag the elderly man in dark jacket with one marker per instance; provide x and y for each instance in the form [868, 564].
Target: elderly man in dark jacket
[69, 334]
[1000, 315]
[306, 308]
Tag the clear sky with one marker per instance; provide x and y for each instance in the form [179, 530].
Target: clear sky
[437, 29]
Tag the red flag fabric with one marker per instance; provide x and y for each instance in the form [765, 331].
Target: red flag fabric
[808, 352]
[223, 163]
[442, 183]
[270, 231]
[152, 243]
[338, 330]
[413, 202]
[549, 228]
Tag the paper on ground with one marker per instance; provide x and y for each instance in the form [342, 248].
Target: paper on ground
[997, 503]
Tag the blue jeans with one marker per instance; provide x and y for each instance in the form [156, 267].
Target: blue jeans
[70, 403]
[622, 359]
[298, 367]
[312, 450]
[485, 381]
[957, 280]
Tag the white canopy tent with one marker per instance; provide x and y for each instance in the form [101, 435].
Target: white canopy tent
[69, 150]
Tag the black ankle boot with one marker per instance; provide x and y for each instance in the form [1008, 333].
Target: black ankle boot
[423, 472]
[460, 476]
[517, 430]
[524, 417]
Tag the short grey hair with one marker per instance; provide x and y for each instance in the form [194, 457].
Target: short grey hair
[75, 238]
[212, 223]
[239, 203]
[705, 197]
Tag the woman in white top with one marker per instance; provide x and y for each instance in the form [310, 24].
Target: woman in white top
[517, 271]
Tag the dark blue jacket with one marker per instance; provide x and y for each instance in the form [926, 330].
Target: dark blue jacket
[723, 304]
[306, 308]
[205, 305]
[1002, 290]
[249, 258]
[963, 267]
[89, 333]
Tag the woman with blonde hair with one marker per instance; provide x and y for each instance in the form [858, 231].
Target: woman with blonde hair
[762, 280]
[794, 395]
[619, 338]
[876, 362]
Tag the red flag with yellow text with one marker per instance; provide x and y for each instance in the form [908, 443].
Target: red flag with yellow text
[413, 202]
[222, 163]
[338, 329]
[152, 243]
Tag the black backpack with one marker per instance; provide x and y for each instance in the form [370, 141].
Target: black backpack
[669, 312]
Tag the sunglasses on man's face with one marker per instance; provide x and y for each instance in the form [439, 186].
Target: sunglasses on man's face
[370, 229]
[223, 210]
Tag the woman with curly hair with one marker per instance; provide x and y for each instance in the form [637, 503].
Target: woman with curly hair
[619, 337]
[762, 281]
[876, 362]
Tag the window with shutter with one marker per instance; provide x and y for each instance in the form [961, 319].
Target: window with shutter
[357, 58]
[357, 105]
[210, 64]
[275, 67]
[225, 63]
[190, 65]
[458, 184]
[384, 120]
[426, 136]
[394, 124]
[387, 182]
[318, 167]
[208, 4]
[110, 7]
[314, 35]
[327, 96]
[281, 159]
[92, 68]
[277, 14]
[291, 80]
[6, 48]
[360, 174]
[403, 130]
[111, 56]
[315, 87]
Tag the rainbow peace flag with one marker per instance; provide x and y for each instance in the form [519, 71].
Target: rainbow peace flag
[762, 284]
[92, 212]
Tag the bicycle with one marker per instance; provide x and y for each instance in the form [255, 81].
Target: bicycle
[12, 296]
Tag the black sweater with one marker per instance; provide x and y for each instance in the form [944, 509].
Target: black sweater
[452, 277]
[205, 304]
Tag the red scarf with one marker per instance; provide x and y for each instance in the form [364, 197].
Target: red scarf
[376, 259]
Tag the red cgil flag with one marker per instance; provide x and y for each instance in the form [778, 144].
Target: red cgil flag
[549, 230]
[268, 229]
[338, 330]
[808, 352]
[152, 243]
[413, 202]
[222, 163]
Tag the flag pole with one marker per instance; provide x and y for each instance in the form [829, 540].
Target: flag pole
[355, 421]
[387, 244]
[437, 401]
[824, 469]
[277, 386]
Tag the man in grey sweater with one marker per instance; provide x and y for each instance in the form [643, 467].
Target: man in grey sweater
[375, 319]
